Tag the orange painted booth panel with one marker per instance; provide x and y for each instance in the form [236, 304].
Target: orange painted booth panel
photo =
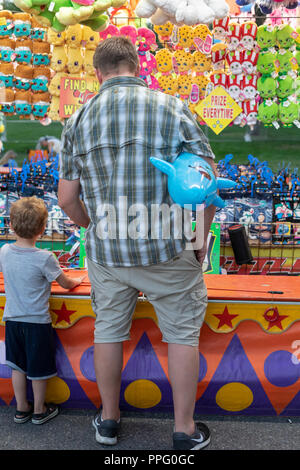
[249, 349]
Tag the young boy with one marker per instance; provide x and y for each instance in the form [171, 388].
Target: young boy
[28, 273]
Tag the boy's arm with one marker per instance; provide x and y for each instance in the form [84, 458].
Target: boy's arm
[67, 282]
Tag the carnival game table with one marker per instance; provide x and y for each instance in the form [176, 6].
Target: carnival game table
[249, 349]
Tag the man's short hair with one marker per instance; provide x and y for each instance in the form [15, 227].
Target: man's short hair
[115, 54]
[28, 216]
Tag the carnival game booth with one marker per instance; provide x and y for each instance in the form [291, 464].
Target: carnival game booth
[248, 351]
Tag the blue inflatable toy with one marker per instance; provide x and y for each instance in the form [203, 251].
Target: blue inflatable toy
[191, 181]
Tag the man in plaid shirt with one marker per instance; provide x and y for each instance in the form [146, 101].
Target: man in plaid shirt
[136, 240]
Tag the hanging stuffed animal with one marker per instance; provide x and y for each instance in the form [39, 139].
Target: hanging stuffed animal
[189, 12]
[266, 87]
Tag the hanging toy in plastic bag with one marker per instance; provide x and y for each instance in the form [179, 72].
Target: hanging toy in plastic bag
[191, 181]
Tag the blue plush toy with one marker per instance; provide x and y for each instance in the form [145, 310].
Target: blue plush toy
[191, 181]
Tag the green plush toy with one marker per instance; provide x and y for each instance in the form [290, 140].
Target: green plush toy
[284, 36]
[266, 87]
[289, 113]
[283, 61]
[268, 113]
[266, 37]
[266, 63]
[285, 86]
[58, 14]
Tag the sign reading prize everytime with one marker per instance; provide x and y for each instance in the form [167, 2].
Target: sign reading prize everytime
[218, 109]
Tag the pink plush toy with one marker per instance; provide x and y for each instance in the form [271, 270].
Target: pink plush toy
[110, 31]
[147, 64]
[130, 32]
[146, 40]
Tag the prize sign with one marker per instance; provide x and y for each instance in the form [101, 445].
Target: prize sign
[218, 109]
[74, 92]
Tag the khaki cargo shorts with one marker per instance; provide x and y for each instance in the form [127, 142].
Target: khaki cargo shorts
[176, 290]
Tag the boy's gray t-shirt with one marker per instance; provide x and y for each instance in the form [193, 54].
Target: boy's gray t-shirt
[28, 273]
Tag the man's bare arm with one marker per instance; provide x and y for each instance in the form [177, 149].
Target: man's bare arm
[69, 200]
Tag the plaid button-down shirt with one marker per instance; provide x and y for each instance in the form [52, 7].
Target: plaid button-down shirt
[107, 144]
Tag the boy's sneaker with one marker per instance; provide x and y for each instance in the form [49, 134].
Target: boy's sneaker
[197, 441]
[106, 430]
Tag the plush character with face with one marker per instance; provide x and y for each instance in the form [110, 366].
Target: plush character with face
[220, 28]
[248, 35]
[40, 105]
[266, 63]
[164, 31]
[266, 37]
[183, 60]
[286, 86]
[164, 62]
[168, 84]
[234, 35]
[40, 80]
[23, 104]
[23, 51]
[8, 102]
[56, 38]
[234, 86]
[7, 28]
[7, 74]
[23, 77]
[22, 22]
[74, 36]
[90, 38]
[88, 65]
[74, 61]
[249, 87]
[54, 87]
[288, 113]
[266, 87]
[234, 60]
[58, 59]
[249, 61]
[41, 54]
[284, 36]
[268, 113]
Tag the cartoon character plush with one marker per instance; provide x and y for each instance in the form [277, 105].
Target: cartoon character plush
[268, 113]
[185, 36]
[38, 32]
[73, 36]
[184, 86]
[183, 60]
[219, 79]
[7, 74]
[7, 50]
[40, 104]
[74, 60]
[23, 77]
[164, 61]
[234, 35]
[284, 62]
[266, 63]
[189, 12]
[56, 38]
[58, 59]
[201, 62]
[8, 101]
[234, 60]
[53, 112]
[23, 105]
[23, 51]
[249, 87]
[164, 31]
[218, 56]
[266, 37]
[251, 112]
[54, 86]
[41, 53]
[266, 87]
[288, 113]
[90, 38]
[40, 79]
[88, 65]
[248, 35]
[22, 25]
[168, 84]
[7, 28]
[249, 61]
[234, 86]
[284, 36]
[220, 28]
[285, 86]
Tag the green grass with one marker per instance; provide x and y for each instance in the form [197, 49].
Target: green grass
[274, 146]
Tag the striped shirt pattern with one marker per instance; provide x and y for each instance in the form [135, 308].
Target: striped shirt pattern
[107, 144]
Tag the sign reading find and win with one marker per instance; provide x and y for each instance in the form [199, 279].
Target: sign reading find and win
[74, 92]
[218, 109]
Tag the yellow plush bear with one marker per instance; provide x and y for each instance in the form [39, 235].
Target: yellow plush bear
[58, 59]
[88, 66]
[74, 61]
[90, 38]
[53, 112]
[74, 36]
[54, 87]
[55, 38]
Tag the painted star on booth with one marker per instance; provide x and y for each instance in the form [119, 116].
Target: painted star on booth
[225, 318]
[63, 314]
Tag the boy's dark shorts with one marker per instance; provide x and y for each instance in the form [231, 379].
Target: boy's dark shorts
[30, 348]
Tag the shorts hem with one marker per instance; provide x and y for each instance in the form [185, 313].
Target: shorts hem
[109, 340]
[15, 367]
[45, 377]
[182, 342]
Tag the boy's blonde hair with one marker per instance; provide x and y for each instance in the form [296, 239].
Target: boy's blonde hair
[28, 216]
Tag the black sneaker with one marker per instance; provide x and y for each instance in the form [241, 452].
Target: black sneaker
[106, 430]
[197, 441]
